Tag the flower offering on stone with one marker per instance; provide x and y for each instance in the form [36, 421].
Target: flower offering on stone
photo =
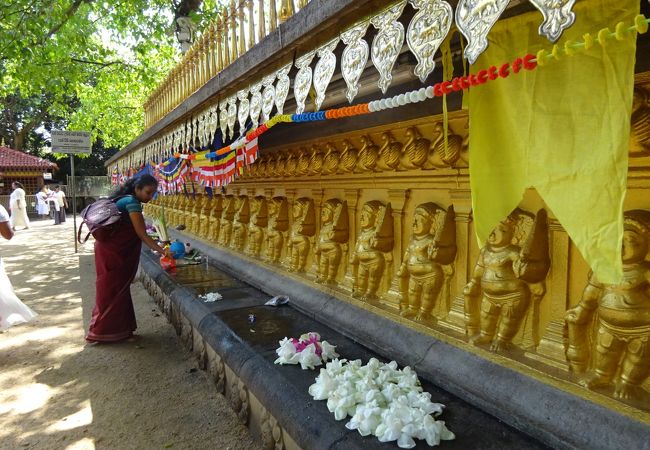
[308, 351]
[211, 297]
[381, 400]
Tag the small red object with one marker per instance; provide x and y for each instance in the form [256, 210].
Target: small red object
[167, 263]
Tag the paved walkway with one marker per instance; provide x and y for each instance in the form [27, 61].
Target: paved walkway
[56, 393]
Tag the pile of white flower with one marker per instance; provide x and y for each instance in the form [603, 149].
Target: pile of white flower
[382, 400]
[307, 350]
[211, 297]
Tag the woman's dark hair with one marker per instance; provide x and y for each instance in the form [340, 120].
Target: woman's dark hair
[19, 184]
[129, 187]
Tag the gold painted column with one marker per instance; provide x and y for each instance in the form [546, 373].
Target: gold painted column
[291, 194]
[352, 197]
[317, 196]
[462, 201]
[398, 199]
[551, 345]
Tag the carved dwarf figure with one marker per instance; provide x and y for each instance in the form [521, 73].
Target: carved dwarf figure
[426, 264]
[227, 216]
[333, 237]
[620, 354]
[369, 257]
[302, 229]
[509, 272]
[215, 219]
[258, 222]
[240, 223]
[195, 214]
[278, 226]
[204, 217]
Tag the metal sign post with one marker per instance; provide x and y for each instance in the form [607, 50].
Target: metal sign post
[74, 203]
[71, 142]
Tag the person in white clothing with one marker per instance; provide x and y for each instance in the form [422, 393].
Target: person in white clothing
[42, 205]
[62, 204]
[12, 310]
[18, 206]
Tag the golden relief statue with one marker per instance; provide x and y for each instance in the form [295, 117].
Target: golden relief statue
[204, 217]
[510, 271]
[302, 230]
[348, 159]
[389, 153]
[620, 352]
[257, 225]
[240, 223]
[195, 214]
[290, 164]
[315, 161]
[277, 227]
[332, 240]
[225, 223]
[441, 156]
[302, 167]
[368, 155]
[640, 128]
[426, 266]
[214, 217]
[330, 160]
[415, 150]
[371, 252]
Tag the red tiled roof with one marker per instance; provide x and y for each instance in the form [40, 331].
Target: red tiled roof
[13, 159]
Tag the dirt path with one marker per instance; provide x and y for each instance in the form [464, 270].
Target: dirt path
[56, 393]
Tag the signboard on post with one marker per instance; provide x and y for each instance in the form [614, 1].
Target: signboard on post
[71, 142]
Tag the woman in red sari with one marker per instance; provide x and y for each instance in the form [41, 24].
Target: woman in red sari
[116, 263]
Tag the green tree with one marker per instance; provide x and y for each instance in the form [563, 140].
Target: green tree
[82, 64]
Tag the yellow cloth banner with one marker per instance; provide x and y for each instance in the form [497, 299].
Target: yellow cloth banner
[562, 129]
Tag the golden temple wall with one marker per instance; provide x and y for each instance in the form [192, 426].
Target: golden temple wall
[382, 218]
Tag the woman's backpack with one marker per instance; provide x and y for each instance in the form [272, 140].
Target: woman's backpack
[100, 218]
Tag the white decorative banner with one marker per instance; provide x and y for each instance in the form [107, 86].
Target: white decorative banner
[426, 31]
[387, 42]
[475, 19]
[282, 87]
[557, 17]
[354, 58]
[302, 83]
[324, 70]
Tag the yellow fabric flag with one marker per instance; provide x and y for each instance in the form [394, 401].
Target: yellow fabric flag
[562, 129]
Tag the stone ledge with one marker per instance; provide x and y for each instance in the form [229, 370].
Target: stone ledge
[551, 415]
[241, 365]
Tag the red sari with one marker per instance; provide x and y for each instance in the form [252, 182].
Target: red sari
[116, 263]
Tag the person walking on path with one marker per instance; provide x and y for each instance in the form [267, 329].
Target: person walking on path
[18, 206]
[62, 204]
[42, 205]
[116, 262]
[12, 310]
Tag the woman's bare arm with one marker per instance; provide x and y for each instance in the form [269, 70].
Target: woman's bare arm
[137, 219]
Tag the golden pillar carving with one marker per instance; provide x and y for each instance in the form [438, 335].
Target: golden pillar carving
[286, 10]
[242, 28]
[273, 15]
[462, 202]
[226, 222]
[550, 346]
[218, 46]
[251, 24]
[317, 197]
[261, 21]
[352, 199]
[233, 31]
[398, 201]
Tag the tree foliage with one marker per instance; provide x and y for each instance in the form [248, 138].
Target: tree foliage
[85, 65]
